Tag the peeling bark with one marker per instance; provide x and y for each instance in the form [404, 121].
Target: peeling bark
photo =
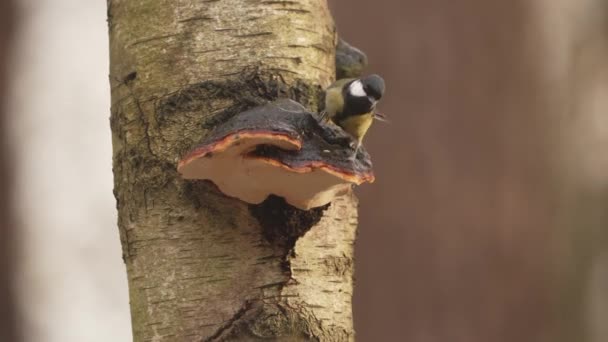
[202, 266]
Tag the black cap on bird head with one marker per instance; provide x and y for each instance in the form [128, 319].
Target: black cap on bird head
[373, 85]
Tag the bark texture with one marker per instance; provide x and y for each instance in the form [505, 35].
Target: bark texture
[202, 266]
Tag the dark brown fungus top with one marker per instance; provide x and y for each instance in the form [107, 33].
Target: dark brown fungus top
[281, 149]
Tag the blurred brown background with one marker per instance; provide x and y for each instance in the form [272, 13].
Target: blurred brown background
[488, 218]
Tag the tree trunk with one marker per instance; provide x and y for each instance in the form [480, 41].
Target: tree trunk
[7, 313]
[202, 266]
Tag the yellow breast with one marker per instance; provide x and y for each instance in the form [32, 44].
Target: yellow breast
[357, 125]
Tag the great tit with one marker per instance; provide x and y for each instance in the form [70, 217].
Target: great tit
[350, 104]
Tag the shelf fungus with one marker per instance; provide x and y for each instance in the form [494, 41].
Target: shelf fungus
[281, 149]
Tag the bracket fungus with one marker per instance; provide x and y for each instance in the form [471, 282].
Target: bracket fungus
[282, 149]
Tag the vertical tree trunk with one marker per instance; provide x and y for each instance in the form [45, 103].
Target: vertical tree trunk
[575, 37]
[7, 313]
[202, 266]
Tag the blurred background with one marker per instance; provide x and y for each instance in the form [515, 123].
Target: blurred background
[488, 220]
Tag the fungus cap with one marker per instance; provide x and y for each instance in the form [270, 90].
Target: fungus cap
[281, 149]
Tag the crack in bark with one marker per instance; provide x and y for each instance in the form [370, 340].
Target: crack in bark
[197, 18]
[260, 320]
[294, 10]
[255, 34]
[285, 2]
[150, 39]
[282, 225]
[228, 324]
[128, 82]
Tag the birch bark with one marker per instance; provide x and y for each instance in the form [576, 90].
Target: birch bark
[202, 266]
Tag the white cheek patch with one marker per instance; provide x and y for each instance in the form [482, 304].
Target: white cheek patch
[356, 89]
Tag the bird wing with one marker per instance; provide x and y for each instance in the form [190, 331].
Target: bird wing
[334, 100]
